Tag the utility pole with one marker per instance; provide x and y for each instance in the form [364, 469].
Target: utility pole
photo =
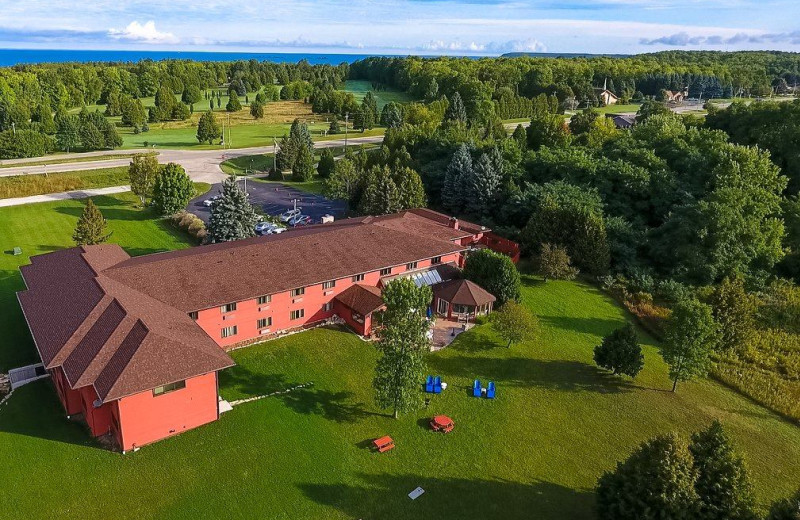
[346, 118]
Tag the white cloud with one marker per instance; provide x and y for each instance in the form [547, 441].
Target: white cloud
[683, 39]
[458, 46]
[147, 33]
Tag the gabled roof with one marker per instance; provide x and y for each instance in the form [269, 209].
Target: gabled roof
[363, 299]
[108, 335]
[463, 292]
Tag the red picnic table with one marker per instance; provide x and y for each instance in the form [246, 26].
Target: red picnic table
[442, 423]
[385, 443]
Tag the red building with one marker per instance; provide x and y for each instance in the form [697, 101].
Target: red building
[133, 344]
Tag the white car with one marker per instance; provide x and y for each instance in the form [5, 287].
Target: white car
[269, 228]
[210, 202]
[289, 214]
[299, 220]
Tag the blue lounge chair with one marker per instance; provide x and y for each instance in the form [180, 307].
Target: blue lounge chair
[437, 385]
[429, 384]
[476, 388]
[490, 390]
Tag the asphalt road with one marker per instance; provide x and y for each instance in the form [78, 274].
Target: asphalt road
[274, 199]
[201, 165]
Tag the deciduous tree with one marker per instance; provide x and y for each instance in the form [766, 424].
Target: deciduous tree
[494, 272]
[142, 172]
[172, 189]
[515, 323]
[690, 336]
[620, 352]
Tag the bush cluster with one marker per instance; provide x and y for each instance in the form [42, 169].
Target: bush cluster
[190, 223]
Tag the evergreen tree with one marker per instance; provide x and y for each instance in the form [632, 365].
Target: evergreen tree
[411, 192]
[172, 189]
[164, 104]
[482, 186]
[786, 509]
[458, 171]
[380, 193]
[233, 103]
[456, 111]
[91, 138]
[208, 130]
[232, 215]
[326, 164]
[257, 110]
[392, 115]
[303, 167]
[722, 481]
[520, 136]
[370, 106]
[620, 352]
[91, 228]
[402, 343]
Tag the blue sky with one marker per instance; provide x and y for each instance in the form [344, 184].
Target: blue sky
[473, 27]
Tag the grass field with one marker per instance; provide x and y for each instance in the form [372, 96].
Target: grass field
[263, 162]
[27, 185]
[55, 160]
[359, 88]
[534, 452]
[45, 227]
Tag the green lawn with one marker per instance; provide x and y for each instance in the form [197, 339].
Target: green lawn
[27, 185]
[263, 162]
[359, 88]
[535, 452]
[45, 227]
[56, 160]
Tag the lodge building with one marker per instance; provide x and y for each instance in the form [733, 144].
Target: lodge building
[134, 345]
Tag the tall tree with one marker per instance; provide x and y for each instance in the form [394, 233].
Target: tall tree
[483, 186]
[555, 264]
[392, 115]
[380, 195]
[233, 104]
[232, 215]
[326, 164]
[410, 191]
[690, 336]
[67, 133]
[172, 189]
[458, 171]
[257, 110]
[91, 228]
[494, 272]
[344, 183]
[456, 112]
[722, 483]
[515, 323]
[402, 343]
[655, 483]
[620, 352]
[734, 310]
[303, 167]
[142, 173]
[208, 130]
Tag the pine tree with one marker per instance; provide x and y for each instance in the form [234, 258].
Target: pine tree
[459, 169]
[411, 192]
[233, 103]
[232, 216]
[207, 128]
[521, 137]
[91, 228]
[303, 168]
[257, 110]
[380, 195]
[482, 186]
[326, 163]
[456, 110]
[402, 342]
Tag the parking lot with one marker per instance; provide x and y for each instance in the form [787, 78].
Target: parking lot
[275, 198]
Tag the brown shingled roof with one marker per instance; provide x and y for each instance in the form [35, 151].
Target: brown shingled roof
[463, 292]
[363, 299]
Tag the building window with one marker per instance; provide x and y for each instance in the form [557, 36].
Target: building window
[329, 285]
[328, 307]
[230, 307]
[358, 278]
[263, 323]
[193, 315]
[264, 299]
[229, 331]
[298, 292]
[165, 389]
[436, 260]
[386, 271]
[410, 266]
[296, 315]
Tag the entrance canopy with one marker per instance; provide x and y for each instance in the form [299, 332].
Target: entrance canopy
[463, 292]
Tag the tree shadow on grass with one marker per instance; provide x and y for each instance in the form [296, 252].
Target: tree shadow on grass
[334, 406]
[570, 376]
[386, 496]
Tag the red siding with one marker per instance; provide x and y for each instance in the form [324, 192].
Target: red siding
[144, 418]
[248, 312]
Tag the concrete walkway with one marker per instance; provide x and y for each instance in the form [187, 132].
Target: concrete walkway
[78, 194]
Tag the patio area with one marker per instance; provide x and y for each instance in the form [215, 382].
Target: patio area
[445, 331]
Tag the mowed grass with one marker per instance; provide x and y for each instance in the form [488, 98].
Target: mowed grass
[45, 227]
[359, 89]
[535, 452]
[38, 184]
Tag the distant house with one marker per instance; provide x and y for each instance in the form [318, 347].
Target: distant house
[623, 120]
[134, 345]
[676, 96]
[606, 97]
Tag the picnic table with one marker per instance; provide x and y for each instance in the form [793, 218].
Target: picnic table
[442, 423]
[384, 443]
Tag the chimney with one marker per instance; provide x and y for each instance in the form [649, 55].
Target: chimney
[453, 223]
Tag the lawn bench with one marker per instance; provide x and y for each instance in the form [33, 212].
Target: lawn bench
[384, 444]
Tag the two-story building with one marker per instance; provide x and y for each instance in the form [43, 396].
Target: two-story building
[133, 344]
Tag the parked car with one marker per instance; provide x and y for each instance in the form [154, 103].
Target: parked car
[269, 228]
[299, 220]
[210, 202]
[288, 215]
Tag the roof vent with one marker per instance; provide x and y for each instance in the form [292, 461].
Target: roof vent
[453, 223]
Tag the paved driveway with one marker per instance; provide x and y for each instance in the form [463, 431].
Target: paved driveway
[275, 198]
